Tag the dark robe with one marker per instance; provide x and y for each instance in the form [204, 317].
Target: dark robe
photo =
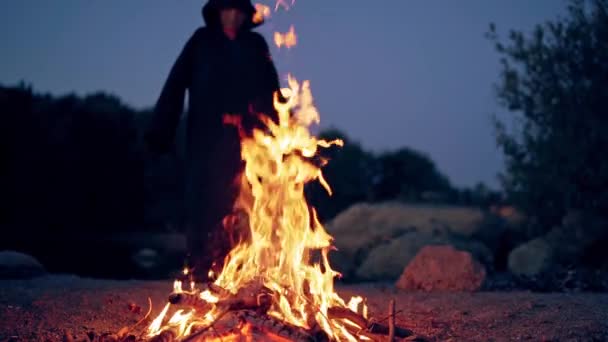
[222, 76]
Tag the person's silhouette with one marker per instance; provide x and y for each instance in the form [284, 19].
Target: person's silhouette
[226, 69]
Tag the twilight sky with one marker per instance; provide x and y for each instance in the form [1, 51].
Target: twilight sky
[390, 73]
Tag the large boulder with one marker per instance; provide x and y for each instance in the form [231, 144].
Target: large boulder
[531, 258]
[442, 268]
[580, 237]
[15, 265]
[376, 241]
[388, 260]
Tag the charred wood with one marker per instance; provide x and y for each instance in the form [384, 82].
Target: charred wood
[164, 336]
[391, 321]
[273, 326]
[372, 327]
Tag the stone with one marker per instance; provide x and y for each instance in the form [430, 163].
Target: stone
[579, 240]
[387, 261]
[16, 265]
[442, 268]
[364, 231]
[146, 258]
[531, 258]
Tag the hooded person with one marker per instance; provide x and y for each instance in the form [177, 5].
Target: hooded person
[226, 69]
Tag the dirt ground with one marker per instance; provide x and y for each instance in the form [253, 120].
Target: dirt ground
[44, 309]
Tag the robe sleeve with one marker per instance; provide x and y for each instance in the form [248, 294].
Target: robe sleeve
[169, 108]
[271, 81]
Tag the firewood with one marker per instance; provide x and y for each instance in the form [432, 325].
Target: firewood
[272, 326]
[345, 313]
[363, 333]
[191, 300]
[220, 291]
[165, 336]
[261, 302]
[195, 336]
[381, 329]
[391, 321]
[372, 327]
[243, 300]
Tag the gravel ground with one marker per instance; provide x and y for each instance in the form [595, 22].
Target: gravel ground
[44, 309]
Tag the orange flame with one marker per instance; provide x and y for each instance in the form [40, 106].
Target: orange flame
[284, 234]
[288, 39]
[284, 4]
[261, 12]
[287, 249]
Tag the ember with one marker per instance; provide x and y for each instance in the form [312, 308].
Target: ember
[276, 283]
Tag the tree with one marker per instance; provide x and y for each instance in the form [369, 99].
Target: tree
[555, 81]
[406, 174]
[349, 173]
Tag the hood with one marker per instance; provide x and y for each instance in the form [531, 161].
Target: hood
[211, 12]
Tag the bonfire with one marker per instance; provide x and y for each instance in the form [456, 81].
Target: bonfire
[276, 283]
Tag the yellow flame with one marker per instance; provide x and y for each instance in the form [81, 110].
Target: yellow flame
[209, 297]
[177, 286]
[155, 326]
[284, 4]
[286, 249]
[261, 12]
[288, 39]
[181, 321]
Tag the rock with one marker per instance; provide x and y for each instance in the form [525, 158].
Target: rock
[364, 230]
[146, 258]
[442, 268]
[531, 258]
[580, 237]
[387, 261]
[15, 265]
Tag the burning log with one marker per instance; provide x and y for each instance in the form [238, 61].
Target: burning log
[372, 327]
[260, 302]
[287, 248]
[274, 327]
[190, 300]
[200, 332]
[220, 291]
[249, 323]
[247, 301]
[165, 336]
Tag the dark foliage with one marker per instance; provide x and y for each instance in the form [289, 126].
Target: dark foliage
[69, 162]
[356, 175]
[555, 80]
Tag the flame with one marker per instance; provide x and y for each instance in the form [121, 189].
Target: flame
[284, 4]
[288, 39]
[155, 326]
[285, 235]
[284, 248]
[287, 249]
[177, 286]
[261, 12]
